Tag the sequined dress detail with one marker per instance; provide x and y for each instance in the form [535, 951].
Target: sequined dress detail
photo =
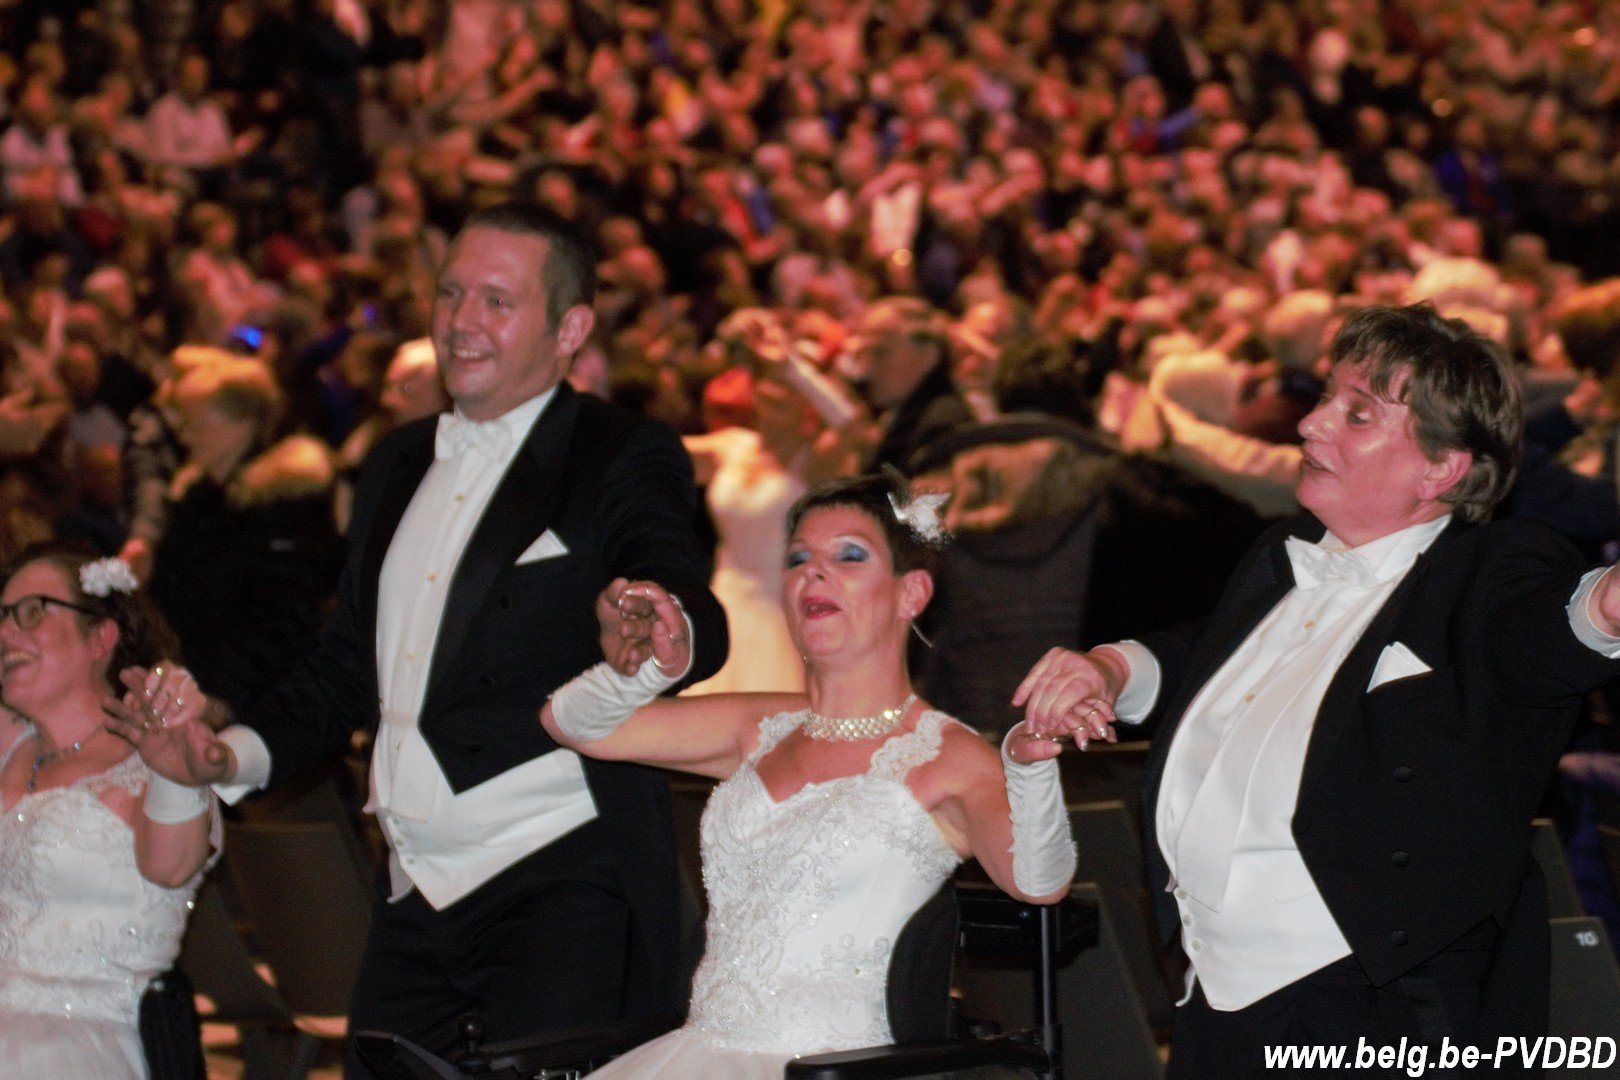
[82, 933]
[806, 899]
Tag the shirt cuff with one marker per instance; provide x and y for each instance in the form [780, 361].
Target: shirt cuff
[1141, 691]
[1580, 618]
[252, 764]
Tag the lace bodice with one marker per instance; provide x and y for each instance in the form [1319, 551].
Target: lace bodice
[807, 896]
[81, 931]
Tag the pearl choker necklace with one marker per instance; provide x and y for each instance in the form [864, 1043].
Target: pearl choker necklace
[852, 728]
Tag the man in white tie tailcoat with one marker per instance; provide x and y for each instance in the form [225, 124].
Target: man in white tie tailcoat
[1350, 750]
[525, 884]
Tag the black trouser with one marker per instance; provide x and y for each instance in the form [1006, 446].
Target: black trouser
[539, 948]
[1336, 1006]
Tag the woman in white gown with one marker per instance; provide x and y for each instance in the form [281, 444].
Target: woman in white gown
[839, 812]
[98, 860]
[751, 476]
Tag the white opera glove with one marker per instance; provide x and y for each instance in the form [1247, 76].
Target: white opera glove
[593, 703]
[169, 803]
[1043, 847]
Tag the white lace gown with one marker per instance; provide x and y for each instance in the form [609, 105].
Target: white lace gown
[749, 497]
[82, 933]
[806, 899]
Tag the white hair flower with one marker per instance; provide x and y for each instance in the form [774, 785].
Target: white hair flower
[105, 576]
[921, 514]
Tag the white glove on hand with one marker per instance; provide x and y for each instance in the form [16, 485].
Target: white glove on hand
[593, 703]
[1043, 848]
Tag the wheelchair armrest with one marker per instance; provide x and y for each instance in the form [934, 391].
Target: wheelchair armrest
[995, 926]
[917, 1059]
[588, 1048]
[391, 1057]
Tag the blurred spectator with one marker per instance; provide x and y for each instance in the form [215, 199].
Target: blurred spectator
[1055, 530]
[221, 291]
[155, 454]
[801, 423]
[36, 144]
[978, 341]
[900, 351]
[188, 137]
[1295, 335]
[1568, 477]
[248, 555]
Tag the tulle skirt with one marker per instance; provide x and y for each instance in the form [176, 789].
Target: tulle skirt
[684, 1055]
[33, 1047]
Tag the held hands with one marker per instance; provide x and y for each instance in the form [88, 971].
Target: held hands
[1026, 748]
[164, 715]
[1069, 694]
[641, 620]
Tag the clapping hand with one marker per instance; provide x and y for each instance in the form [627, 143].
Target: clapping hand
[642, 620]
[162, 714]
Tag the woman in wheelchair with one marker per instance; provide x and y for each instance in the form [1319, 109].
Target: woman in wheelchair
[99, 857]
[840, 811]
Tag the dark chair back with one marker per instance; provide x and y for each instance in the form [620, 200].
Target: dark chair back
[213, 956]
[1563, 902]
[1110, 854]
[919, 991]
[1585, 997]
[308, 905]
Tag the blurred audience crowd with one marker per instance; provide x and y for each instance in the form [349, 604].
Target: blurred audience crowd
[1076, 259]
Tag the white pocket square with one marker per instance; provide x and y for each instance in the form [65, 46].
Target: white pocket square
[548, 546]
[1396, 662]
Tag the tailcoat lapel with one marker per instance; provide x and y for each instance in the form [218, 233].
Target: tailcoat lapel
[1270, 578]
[1339, 718]
[399, 487]
[522, 507]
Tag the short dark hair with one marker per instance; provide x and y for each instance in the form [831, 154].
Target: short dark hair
[870, 494]
[1459, 386]
[1055, 378]
[570, 270]
[144, 637]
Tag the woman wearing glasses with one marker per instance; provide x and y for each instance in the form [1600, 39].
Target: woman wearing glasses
[98, 858]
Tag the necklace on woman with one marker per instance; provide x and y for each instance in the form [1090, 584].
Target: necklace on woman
[851, 728]
[45, 757]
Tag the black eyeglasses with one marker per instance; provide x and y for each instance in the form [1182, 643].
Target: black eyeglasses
[28, 611]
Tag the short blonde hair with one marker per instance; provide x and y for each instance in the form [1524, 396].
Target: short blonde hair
[240, 388]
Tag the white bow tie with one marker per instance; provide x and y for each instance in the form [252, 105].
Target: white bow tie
[1314, 565]
[456, 435]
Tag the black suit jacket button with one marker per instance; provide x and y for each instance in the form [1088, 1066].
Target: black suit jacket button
[1398, 938]
[1400, 858]
[486, 680]
[1402, 774]
[505, 601]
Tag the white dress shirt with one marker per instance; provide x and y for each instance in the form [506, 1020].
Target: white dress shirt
[442, 843]
[1252, 920]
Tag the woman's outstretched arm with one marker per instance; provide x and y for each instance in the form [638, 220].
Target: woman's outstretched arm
[613, 712]
[1009, 816]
